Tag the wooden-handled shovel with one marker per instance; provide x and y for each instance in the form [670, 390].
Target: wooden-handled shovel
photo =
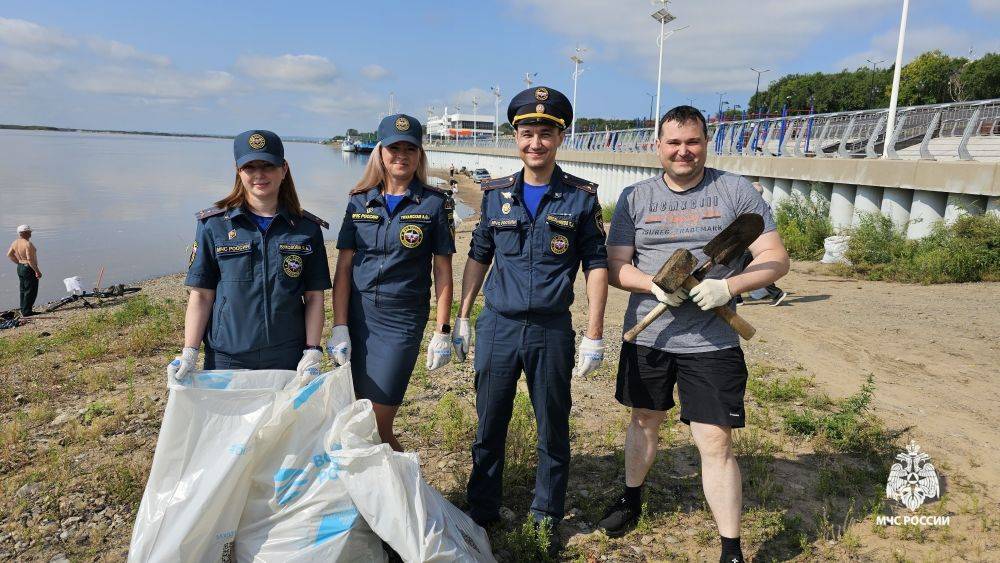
[679, 271]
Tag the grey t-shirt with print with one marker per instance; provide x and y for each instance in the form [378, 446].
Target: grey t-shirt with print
[657, 221]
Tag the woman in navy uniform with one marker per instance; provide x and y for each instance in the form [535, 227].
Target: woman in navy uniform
[397, 228]
[257, 271]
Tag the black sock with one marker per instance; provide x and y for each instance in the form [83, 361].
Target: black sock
[633, 496]
[731, 550]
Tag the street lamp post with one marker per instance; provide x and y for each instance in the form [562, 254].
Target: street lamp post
[756, 91]
[577, 71]
[720, 94]
[891, 124]
[496, 114]
[651, 114]
[458, 115]
[475, 117]
[871, 86]
[664, 17]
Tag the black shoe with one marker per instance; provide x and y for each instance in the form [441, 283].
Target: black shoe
[776, 300]
[484, 523]
[732, 559]
[619, 519]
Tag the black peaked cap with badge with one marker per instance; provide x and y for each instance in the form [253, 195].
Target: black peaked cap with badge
[258, 144]
[540, 106]
[400, 127]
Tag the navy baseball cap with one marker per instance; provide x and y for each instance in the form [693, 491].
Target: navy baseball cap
[540, 106]
[258, 144]
[400, 127]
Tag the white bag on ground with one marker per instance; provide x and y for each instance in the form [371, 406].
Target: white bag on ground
[389, 492]
[201, 468]
[834, 249]
[298, 508]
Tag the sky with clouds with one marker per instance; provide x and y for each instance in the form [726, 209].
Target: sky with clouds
[316, 68]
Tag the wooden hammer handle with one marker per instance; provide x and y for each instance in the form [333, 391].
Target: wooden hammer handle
[651, 316]
[739, 324]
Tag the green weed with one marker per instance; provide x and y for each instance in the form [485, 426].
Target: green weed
[455, 425]
[803, 223]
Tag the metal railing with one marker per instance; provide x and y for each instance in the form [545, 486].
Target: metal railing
[851, 134]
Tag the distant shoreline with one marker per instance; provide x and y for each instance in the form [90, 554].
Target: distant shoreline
[291, 139]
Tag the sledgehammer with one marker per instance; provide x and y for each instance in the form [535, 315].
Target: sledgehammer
[679, 271]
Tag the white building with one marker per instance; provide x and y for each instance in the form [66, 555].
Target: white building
[464, 125]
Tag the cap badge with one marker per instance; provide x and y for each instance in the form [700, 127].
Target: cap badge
[402, 124]
[540, 108]
[256, 141]
[541, 94]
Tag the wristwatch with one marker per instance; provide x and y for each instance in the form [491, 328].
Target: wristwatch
[314, 348]
[446, 328]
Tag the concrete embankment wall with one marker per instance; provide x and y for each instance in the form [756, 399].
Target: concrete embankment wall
[914, 193]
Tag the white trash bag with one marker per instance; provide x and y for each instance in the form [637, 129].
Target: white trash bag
[298, 509]
[389, 492]
[835, 248]
[201, 467]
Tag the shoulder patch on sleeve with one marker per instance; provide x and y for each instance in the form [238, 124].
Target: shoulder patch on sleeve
[580, 183]
[315, 219]
[505, 182]
[209, 212]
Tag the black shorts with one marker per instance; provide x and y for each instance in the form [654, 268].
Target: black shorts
[711, 385]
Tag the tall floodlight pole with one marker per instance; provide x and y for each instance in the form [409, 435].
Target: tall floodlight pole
[577, 71]
[756, 91]
[430, 113]
[891, 124]
[721, 94]
[475, 117]
[651, 115]
[871, 86]
[496, 114]
[664, 17]
[528, 78]
[458, 120]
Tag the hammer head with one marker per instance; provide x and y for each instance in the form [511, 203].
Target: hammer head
[675, 270]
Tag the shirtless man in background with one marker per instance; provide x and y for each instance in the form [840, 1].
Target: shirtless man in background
[23, 253]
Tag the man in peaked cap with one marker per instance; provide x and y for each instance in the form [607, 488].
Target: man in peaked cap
[538, 226]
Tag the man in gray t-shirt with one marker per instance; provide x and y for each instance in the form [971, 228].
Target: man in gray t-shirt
[689, 345]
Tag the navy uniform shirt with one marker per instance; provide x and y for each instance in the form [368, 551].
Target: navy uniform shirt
[392, 252]
[259, 278]
[537, 260]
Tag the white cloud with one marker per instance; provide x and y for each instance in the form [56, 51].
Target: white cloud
[344, 105]
[374, 72]
[152, 83]
[918, 40]
[986, 7]
[720, 45]
[20, 62]
[118, 51]
[29, 35]
[289, 72]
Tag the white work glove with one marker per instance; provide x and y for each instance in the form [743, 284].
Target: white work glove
[710, 294]
[339, 345]
[670, 299]
[461, 339]
[183, 364]
[308, 367]
[590, 356]
[438, 351]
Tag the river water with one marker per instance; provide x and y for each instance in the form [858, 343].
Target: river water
[127, 202]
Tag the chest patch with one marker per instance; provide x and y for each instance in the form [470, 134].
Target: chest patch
[411, 236]
[292, 265]
[294, 248]
[503, 223]
[228, 249]
[366, 217]
[415, 218]
[559, 244]
[560, 221]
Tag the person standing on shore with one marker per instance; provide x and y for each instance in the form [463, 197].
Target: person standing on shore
[257, 271]
[537, 227]
[690, 346]
[397, 229]
[23, 253]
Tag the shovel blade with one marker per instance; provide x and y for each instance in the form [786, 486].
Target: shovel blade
[735, 238]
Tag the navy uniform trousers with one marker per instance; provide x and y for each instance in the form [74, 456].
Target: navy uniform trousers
[542, 347]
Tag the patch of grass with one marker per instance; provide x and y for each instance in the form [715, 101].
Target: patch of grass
[607, 210]
[125, 482]
[761, 524]
[527, 543]
[803, 223]
[966, 251]
[522, 438]
[96, 410]
[766, 387]
[755, 452]
[456, 426]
